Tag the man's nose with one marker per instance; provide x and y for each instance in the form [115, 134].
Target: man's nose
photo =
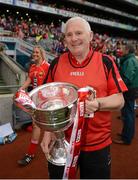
[74, 37]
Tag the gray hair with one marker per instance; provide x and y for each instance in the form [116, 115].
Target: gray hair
[130, 48]
[77, 18]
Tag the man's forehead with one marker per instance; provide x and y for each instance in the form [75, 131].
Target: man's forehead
[75, 25]
[76, 21]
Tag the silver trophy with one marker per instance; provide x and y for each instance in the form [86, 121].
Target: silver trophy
[54, 110]
[56, 105]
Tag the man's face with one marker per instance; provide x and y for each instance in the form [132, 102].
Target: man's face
[124, 50]
[77, 38]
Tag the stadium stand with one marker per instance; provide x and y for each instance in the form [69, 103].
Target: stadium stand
[29, 22]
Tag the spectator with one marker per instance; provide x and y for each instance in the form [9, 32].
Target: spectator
[37, 74]
[129, 73]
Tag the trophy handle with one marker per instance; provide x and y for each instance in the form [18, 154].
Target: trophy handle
[91, 96]
[25, 108]
[91, 92]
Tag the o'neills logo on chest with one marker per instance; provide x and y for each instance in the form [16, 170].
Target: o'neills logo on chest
[77, 73]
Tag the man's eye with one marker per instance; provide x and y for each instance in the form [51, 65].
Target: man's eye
[68, 35]
[78, 33]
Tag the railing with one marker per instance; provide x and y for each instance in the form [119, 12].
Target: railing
[135, 2]
[12, 74]
[9, 86]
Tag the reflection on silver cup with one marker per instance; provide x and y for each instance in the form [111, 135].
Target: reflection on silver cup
[56, 105]
[52, 105]
[58, 150]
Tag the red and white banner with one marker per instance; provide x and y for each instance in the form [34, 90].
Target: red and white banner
[75, 141]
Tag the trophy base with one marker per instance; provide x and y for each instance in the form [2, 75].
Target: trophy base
[58, 152]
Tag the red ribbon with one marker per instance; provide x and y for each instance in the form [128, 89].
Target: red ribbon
[75, 144]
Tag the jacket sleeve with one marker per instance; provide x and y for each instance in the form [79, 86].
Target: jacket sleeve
[129, 71]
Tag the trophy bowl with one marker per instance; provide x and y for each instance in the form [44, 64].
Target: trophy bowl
[56, 105]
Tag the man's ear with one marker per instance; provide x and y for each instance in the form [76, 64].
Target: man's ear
[64, 42]
[91, 35]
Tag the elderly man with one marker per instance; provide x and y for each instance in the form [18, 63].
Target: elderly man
[83, 66]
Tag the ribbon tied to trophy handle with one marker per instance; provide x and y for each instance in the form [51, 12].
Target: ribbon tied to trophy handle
[23, 101]
[87, 93]
[91, 93]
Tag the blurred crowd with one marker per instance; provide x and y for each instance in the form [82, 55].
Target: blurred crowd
[50, 36]
[76, 9]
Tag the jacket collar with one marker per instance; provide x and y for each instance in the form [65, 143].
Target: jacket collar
[84, 62]
[126, 57]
